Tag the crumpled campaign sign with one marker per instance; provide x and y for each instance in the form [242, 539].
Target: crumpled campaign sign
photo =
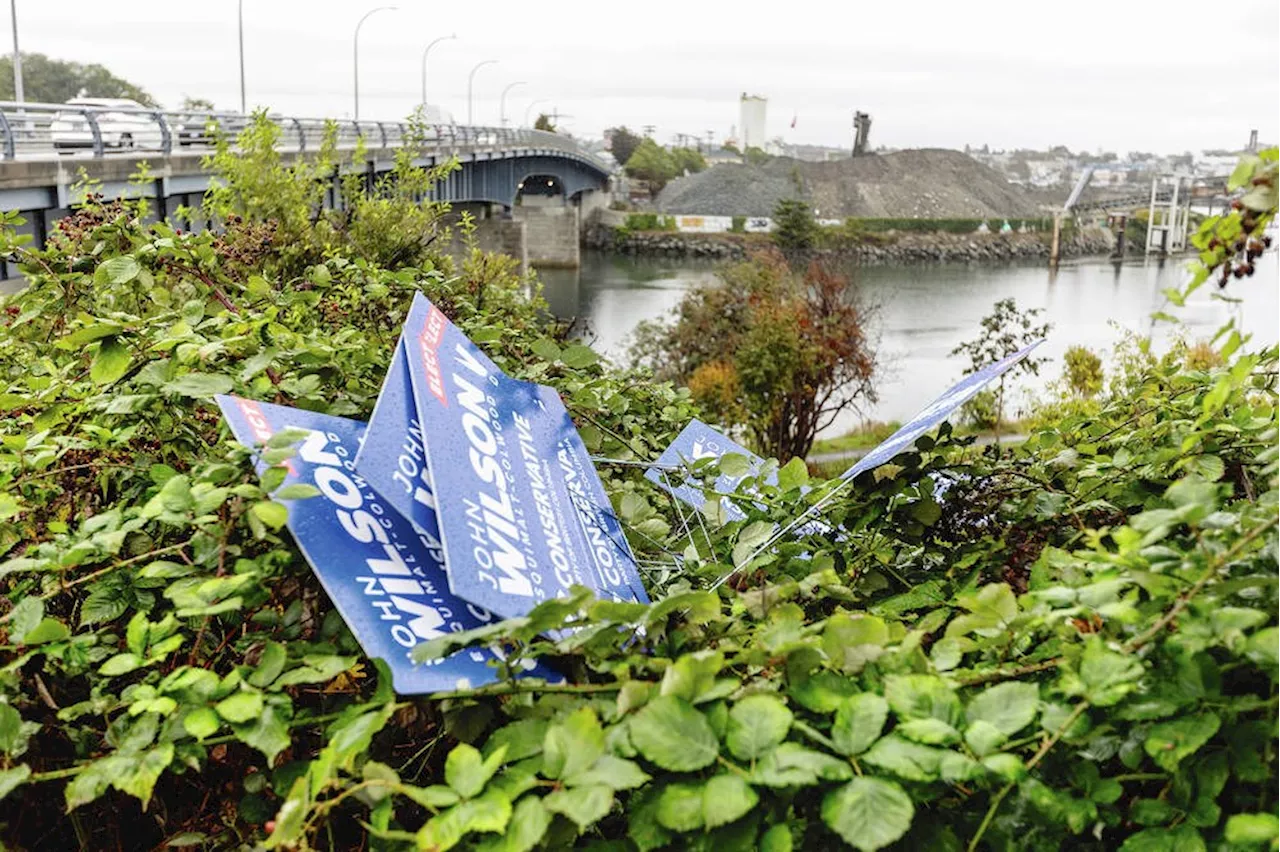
[935, 412]
[522, 514]
[697, 441]
[387, 581]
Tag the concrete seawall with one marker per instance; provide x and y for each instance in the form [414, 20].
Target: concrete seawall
[892, 248]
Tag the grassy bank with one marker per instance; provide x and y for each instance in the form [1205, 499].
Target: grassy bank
[870, 434]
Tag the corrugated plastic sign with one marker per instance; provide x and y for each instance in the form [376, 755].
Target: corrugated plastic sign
[522, 513]
[937, 411]
[387, 581]
[699, 441]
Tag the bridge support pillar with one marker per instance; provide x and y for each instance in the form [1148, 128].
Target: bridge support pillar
[553, 235]
[495, 231]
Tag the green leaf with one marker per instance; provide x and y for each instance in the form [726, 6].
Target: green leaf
[436, 796]
[545, 349]
[584, 805]
[1168, 743]
[906, 759]
[120, 664]
[25, 615]
[11, 779]
[48, 630]
[991, 609]
[858, 722]
[725, 799]
[523, 738]
[240, 706]
[1244, 829]
[117, 270]
[271, 513]
[680, 807]
[757, 723]
[928, 731]
[110, 363]
[1107, 676]
[1008, 707]
[140, 776]
[670, 733]
[793, 765]
[528, 824]
[1209, 467]
[270, 663]
[201, 722]
[615, 773]
[1263, 648]
[572, 745]
[984, 737]
[577, 356]
[692, 675]
[920, 696]
[467, 772]
[199, 385]
[853, 641]
[868, 813]
[776, 839]
[296, 491]
[793, 474]
[84, 336]
[1184, 838]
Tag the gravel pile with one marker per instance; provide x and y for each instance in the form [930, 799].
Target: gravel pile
[928, 183]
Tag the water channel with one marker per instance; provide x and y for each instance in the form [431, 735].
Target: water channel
[926, 310]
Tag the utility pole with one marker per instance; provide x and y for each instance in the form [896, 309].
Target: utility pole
[240, 24]
[17, 56]
[648, 130]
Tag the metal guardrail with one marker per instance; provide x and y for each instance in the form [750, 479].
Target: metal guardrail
[36, 131]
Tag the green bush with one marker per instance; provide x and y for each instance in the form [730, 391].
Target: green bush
[650, 222]
[1073, 646]
[738, 225]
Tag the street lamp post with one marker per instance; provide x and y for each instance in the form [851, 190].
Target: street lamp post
[424, 63]
[502, 101]
[240, 24]
[529, 109]
[471, 81]
[17, 56]
[356, 45]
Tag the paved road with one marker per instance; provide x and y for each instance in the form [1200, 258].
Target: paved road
[853, 455]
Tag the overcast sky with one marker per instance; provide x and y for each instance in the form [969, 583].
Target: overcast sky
[1155, 75]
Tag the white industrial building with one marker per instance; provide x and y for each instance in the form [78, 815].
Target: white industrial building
[752, 121]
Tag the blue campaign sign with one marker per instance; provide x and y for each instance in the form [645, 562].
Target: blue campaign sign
[393, 456]
[699, 441]
[522, 512]
[386, 580]
[937, 411]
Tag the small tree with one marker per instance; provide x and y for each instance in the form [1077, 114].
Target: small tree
[794, 227]
[688, 160]
[623, 143]
[543, 122]
[197, 104]
[1083, 372]
[779, 353]
[652, 164]
[1004, 331]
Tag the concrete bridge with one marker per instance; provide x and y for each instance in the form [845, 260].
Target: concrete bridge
[527, 189]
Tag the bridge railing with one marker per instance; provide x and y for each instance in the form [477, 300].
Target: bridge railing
[37, 131]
